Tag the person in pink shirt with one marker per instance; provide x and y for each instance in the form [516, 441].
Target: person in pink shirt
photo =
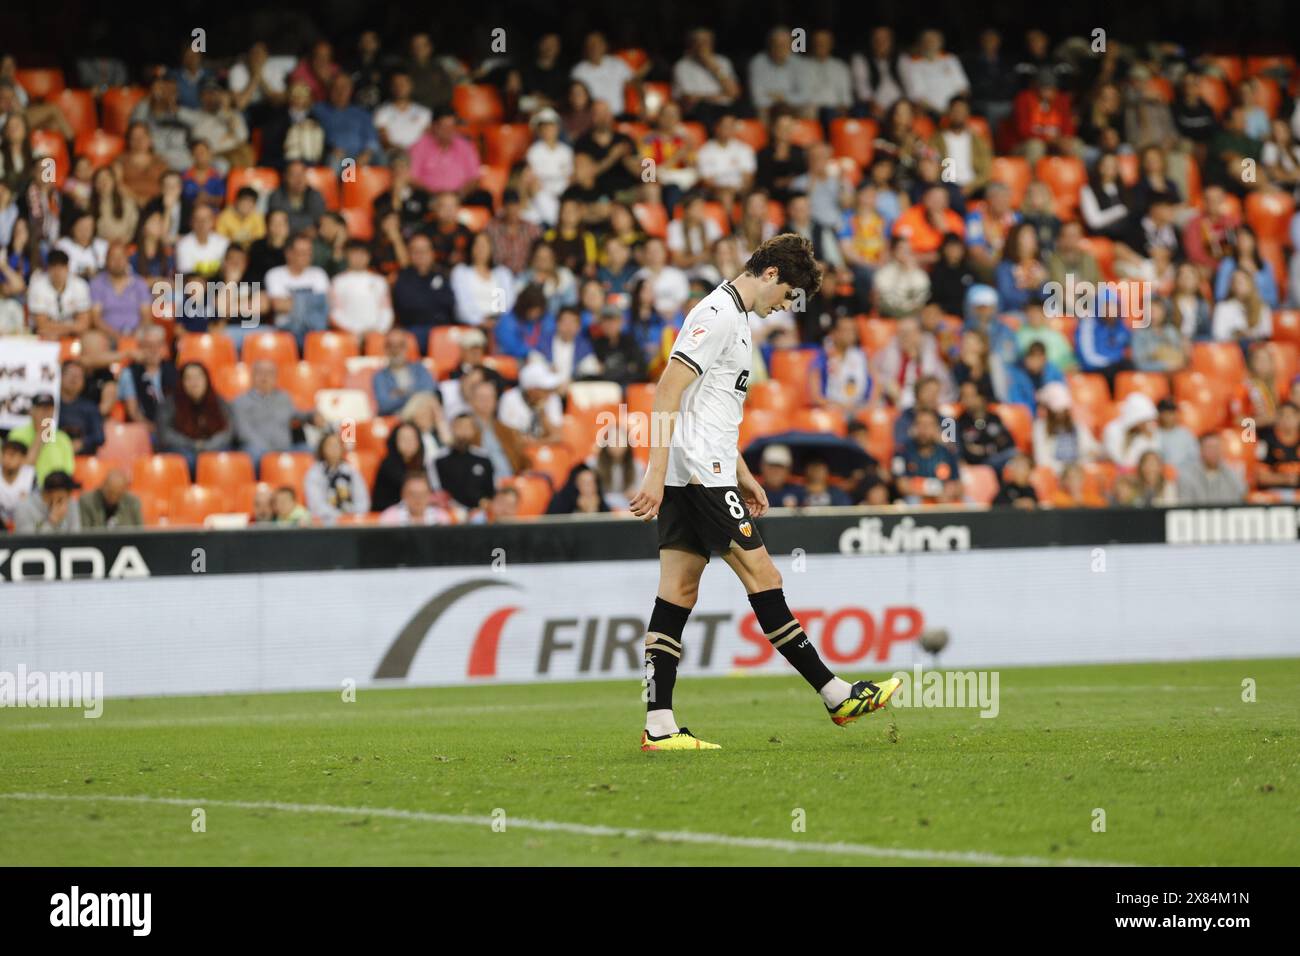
[317, 70]
[443, 161]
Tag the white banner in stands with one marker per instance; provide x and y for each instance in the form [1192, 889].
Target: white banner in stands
[27, 367]
[554, 622]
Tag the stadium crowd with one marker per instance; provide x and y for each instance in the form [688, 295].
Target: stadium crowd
[357, 283]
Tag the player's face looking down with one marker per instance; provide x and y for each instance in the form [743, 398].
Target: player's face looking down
[772, 294]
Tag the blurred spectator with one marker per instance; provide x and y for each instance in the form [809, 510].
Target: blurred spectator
[1159, 346]
[841, 374]
[981, 315]
[780, 161]
[581, 494]
[1071, 258]
[502, 506]
[992, 78]
[620, 355]
[604, 74]
[1021, 274]
[1193, 118]
[618, 165]
[533, 408]
[1279, 453]
[618, 472]
[951, 277]
[1036, 328]
[58, 302]
[818, 491]
[1209, 480]
[117, 216]
[442, 160]
[121, 301]
[299, 291]
[774, 473]
[829, 83]
[877, 74]
[926, 223]
[258, 77]
[424, 411]
[512, 236]
[422, 295]
[405, 457]
[933, 77]
[432, 77]
[1132, 433]
[1074, 491]
[202, 183]
[1208, 234]
[544, 81]
[1245, 257]
[333, 487]
[1015, 489]
[79, 417]
[1261, 384]
[168, 122]
[1243, 315]
[111, 505]
[269, 251]
[196, 419]
[910, 356]
[1102, 339]
[264, 417]
[288, 512]
[777, 78]
[48, 448]
[85, 253]
[349, 131]
[566, 349]
[359, 297]
[1175, 443]
[400, 378]
[52, 511]
[1151, 488]
[550, 159]
[17, 478]
[1044, 121]
[401, 121]
[263, 504]
[503, 446]
[574, 246]
[1059, 440]
[704, 81]
[926, 469]
[149, 383]
[981, 434]
[463, 472]
[200, 252]
[416, 506]
[297, 198]
[1028, 376]
[900, 287]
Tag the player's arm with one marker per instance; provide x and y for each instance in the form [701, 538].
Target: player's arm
[676, 378]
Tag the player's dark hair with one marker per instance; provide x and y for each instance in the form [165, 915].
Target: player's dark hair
[793, 258]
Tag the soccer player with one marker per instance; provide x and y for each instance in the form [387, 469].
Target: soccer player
[706, 500]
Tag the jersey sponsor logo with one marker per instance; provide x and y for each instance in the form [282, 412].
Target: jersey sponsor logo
[698, 331]
[717, 467]
[742, 381]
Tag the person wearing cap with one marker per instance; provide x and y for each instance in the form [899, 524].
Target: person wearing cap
[53, 510]
[1058, 440]
[111, 505]
[1132, 433]
[550, 159]
[48, 449]
[774, 476]
[533, 408]
[17, 479]
[1102, 338]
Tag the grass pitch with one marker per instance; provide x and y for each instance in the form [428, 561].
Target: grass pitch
[1184, 770]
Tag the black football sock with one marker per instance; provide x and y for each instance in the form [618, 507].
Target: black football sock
[783, 630]
[663, 650]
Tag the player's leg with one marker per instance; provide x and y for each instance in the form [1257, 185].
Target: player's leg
[679, 586]
[762, 581]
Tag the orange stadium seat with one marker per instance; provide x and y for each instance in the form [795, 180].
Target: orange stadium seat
[192, 504]
[880, 431]
[369, 184]
[697, 133]
[302, 381]
[444, 349]
[278, 347]
[372, 435]
[1264, 92]
[534, 493]
[505, 144]
[159, 475]
[493, 180]
[1154, 385]
[90, 472]
[553, 459]
[507, 366]
[806, 132]
[99, 147]
[40, 84]
[1088, 388]
[1269, 214]
[49, 145]
[373, 345]
[125, 441]
[1286, 325]
[1044, 483]
[153, 509]
[1103, 250]
[634, 57]
[116, 106]
[78, 108]
[759, 422]
[331, 349]
[1220, 360]
[854, 138]
[652, 217]
[1232, 67]
[366, 462]
[210, 349]
[280, 468]
[1064, 175]
[580, 428]
[824, 420]
[793, 366]
[753, 132]
[1269, 63]
[260, 178]
[231, 381]
[325, 181]
[640, 398]
[223, 469]
[1286, 361]
[1018, 421]
[874, 334]
[776, 395]
[477, 104]
[1012, 172]
[1215, 94]
[360, 223]
[979, 484]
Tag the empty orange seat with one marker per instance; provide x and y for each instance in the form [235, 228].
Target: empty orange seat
[90, 472]
[330, 349]
[824, 420]
[760, 422]
[302, 380]
[159, 475]
[792, 366]
[753, 132]
[444, 348]
[1215, 93]
[581, 426]
[1012, 172]
[286, 468]
[505, 144]
[1088, 388]
[278, 347]
[552, 459]
[211, 350]
[653, 218]
[191, 505]
[78, 108]
[880, 431]
[1064, 175]
[116, 106]
[373, 345]
[1286, 325]
[369, 184]
[262, 179]
[979, 484]
[640, 397]
[775, 395]
[1103, 250]
[40, 84]
[1044, 482]
[1220, 360]
[125, 442]
[1018, 421]
[806, 132]
[372, 435]
[854, 138]
[1154, 385]
[99, 147]
[1286, 362]
[477, 103]
[1269, 214]
[534, 493]
[231, 381]
[366, 462]
[874, 334]
[325, 181]
[224, 469]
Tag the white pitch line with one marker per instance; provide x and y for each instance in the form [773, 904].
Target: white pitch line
[971, 857]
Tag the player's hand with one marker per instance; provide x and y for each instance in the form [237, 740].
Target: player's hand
[645, 504]
[755, 498]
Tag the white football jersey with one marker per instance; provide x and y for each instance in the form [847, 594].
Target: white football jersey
[715, 342]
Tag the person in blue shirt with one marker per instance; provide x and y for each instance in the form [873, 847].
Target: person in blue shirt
[349, 130]
[1245, 255]
[525, 327]
[982, 316]
[774, 476]
[566, 345]
[401, 378]
[1030, 374]
[926, 468]
[1102, 339]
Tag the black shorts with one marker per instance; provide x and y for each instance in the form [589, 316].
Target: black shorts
[706, 520]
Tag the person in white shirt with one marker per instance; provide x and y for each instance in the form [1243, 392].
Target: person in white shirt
[606, 77]
[877, 76]
[401, 121]
[933, 77]
[57, 301]
[299, 291]
[534, 408]
[703, 77]
[550, 160]
[482, 288]
[416, 506]
[1243, 315]
[671, 285]
[17, 478]
[86, 254]
[829, 84]
[691, 238]
[359, 298]
[260, 76]
[776, 77]
[725, 163]
[200, 251]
